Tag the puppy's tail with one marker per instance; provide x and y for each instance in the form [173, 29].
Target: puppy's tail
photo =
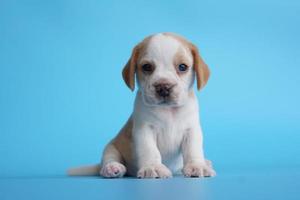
[92, 170]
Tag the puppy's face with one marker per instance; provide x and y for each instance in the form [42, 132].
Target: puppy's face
[164, 71]
[165, 66]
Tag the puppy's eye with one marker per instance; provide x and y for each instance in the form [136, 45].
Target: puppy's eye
[182, 67]
[148, 68]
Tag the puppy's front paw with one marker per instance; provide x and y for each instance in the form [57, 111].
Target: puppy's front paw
[154, 171]
[113, 170]
[198, 169]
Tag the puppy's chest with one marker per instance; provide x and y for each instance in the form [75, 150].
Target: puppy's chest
[169, 138]
[169, 127]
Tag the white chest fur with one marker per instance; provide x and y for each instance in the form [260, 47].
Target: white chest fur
[168, 127]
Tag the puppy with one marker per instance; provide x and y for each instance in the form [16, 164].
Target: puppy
[163, 135]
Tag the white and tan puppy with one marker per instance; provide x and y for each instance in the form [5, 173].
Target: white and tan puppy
[163, 135]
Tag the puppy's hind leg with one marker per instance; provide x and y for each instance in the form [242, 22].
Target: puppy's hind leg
[111, 164]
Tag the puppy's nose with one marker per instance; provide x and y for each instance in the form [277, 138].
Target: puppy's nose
[163, 89]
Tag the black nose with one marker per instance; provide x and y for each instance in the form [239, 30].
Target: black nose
[163, 89]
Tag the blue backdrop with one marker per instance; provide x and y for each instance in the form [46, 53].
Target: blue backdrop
[62, 97]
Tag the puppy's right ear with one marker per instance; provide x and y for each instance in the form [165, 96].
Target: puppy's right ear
[201, 69]
[130, 68]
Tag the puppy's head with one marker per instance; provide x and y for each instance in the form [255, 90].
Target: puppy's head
[165, 65]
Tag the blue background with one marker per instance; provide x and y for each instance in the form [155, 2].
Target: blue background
[62, 97]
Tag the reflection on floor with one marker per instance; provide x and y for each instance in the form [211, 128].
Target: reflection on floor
[274, 185]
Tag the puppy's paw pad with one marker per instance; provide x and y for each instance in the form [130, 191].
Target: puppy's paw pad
[154, 171]
[198, 170]
[113, 170]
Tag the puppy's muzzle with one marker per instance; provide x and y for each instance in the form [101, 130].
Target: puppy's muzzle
[163, 89]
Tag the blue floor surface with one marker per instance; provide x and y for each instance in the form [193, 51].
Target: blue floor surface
[243, 186]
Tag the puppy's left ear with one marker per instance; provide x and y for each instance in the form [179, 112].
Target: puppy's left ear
[201, 69]
[128, 72]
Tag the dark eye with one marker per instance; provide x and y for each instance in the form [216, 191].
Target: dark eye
[148, 68]
[182, 67]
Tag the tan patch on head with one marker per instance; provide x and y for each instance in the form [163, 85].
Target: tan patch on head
[130, 68]
[182, 57]
[201, 69]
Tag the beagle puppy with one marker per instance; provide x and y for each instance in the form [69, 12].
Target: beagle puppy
[163, 135]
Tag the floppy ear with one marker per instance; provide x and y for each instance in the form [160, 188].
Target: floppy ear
[201, 69]
[129, 69]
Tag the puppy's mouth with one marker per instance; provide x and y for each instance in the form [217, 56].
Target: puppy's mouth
[161, 102]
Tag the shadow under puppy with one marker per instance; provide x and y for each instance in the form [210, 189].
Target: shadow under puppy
[163, 135]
